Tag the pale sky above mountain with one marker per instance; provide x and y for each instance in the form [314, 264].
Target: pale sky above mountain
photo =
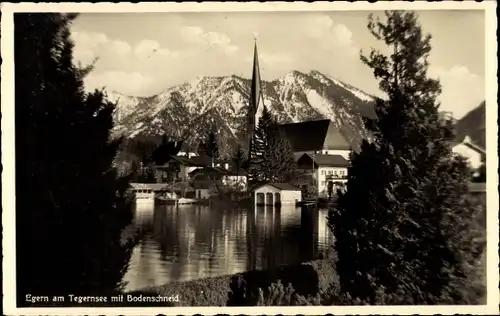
[142, 54]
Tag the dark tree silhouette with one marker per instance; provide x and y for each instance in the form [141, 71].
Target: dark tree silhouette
[238, 159]
[167, 148]
[271, 155]
[210, 147]
[400, 227]
[70, 206]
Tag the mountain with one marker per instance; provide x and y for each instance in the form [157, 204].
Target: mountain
[473, 124]
[189, 111]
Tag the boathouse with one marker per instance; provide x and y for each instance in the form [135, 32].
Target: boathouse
[277, 194]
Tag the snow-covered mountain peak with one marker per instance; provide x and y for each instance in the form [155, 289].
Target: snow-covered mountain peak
[189, 110]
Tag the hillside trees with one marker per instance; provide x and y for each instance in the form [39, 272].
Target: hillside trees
[238, 159]
[70, 206]
[210, 147]
[400, 226]
[167, 148]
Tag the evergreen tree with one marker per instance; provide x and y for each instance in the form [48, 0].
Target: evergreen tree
[259, 144]
[210, 147]
[238, 159]
[70, 206]
[167, 148]
[279, 154]
[271, 158]
[406, 204]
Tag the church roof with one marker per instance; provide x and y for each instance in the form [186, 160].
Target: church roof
[323, 160]
[314, 135]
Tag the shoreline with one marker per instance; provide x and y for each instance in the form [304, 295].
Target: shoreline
[242, 289]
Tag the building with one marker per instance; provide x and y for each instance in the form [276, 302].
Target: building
[235, 180]
[203, 189]
[256, 97]
[323, 169]
[316, 137]
[477, 188]
[475, 155]
[219, 175]
[277, 194]
[147, 192]
[177, 168]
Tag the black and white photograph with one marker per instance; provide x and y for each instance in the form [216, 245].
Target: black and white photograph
[208, 158]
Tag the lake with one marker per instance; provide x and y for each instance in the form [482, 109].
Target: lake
[192, 242]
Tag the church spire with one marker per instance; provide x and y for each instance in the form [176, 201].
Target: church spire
[255, 97]
[256, 92]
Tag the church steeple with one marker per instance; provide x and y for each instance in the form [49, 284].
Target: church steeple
[255, 97]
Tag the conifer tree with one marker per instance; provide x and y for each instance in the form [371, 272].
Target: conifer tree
[397, 225]
[279, 154]
[238, 159]
[272, 158]
[210, 147]
[167, 148]
[257, 161]
[70, 206]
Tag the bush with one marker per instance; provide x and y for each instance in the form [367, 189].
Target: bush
[311, 280]
[278, 295]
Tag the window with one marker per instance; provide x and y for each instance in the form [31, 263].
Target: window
[323, 172]
[330, 172]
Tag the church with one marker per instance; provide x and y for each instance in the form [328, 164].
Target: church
[319, 148]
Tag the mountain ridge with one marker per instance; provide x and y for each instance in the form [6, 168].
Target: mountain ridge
[190, 110]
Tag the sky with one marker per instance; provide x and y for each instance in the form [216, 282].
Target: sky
[142, 54]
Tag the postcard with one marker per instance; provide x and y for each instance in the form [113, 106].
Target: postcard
[249, 158]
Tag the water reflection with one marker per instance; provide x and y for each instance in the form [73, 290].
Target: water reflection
[190, 242]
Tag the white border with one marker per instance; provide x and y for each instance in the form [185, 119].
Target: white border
[8, 154]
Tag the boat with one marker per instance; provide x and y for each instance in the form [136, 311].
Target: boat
[186, 201]
[175, 201]
[160, 200]
[307, 203]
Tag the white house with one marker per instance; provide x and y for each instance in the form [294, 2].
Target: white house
[277, 194]
[475, 155]
[323, 169]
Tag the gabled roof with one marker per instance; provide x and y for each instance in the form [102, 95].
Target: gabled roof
[207, 184]
[467, 141]
[314, 135]
[181, 186]
[196, 161]
[280, 186]
[475, 147]
[323, 160]
[470, 144]
[209, 170]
